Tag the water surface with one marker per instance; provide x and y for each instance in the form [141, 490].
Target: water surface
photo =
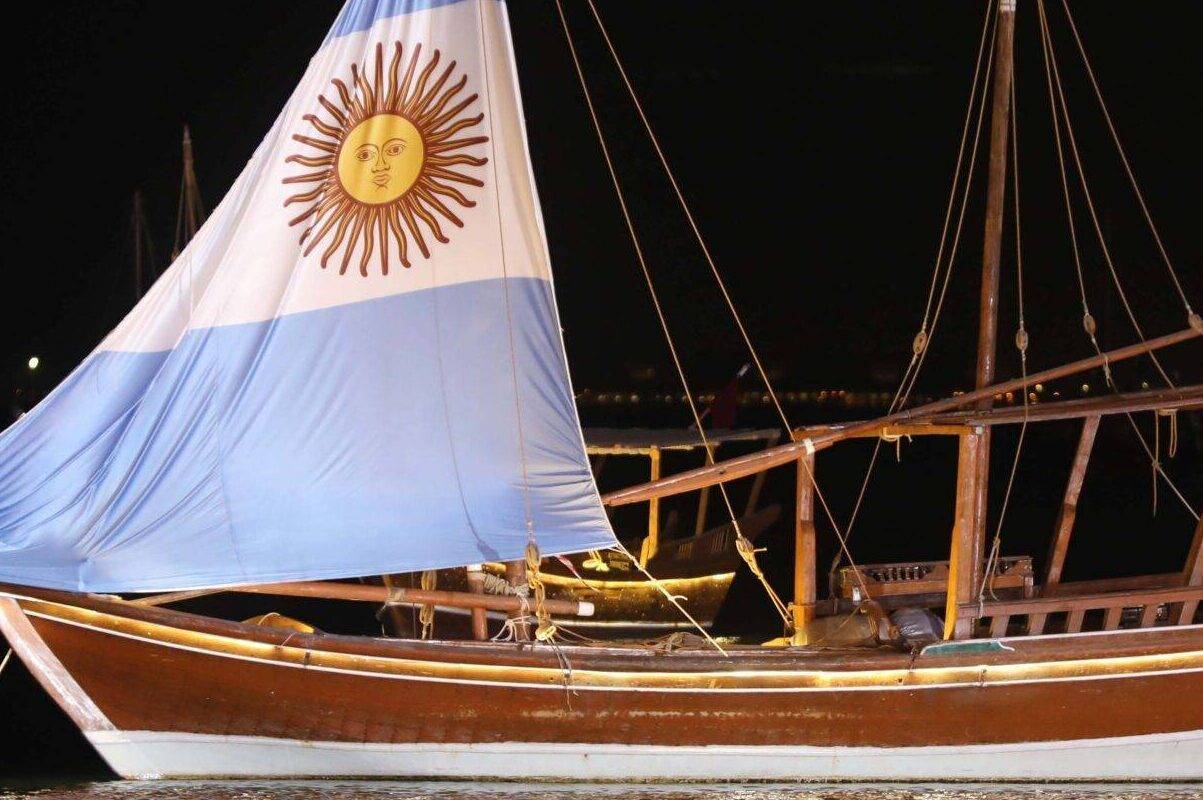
[372, 790]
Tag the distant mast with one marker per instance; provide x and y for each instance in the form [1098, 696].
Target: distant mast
[144, 247]
[191, 210]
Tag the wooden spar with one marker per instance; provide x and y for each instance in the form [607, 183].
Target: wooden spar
[768, 458]
[1184, 397]
[987, 343]
[333, 590]
[1192, 575]
[1069, 506]
[958, 625]
[515, 575]
[651, 544]
[803, 607]
[480, 620]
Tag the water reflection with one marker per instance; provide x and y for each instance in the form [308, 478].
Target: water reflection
[368, 790]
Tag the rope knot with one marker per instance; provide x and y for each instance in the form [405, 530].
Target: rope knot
[1195, 321]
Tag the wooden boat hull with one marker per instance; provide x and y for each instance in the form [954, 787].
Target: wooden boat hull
[162, 693]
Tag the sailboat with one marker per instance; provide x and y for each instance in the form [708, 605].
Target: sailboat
[355, 369]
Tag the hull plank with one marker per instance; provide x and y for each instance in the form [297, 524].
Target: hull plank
[186, 702]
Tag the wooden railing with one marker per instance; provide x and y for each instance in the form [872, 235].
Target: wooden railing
[1179, 604]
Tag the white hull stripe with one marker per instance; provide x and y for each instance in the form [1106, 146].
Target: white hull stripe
[985, 681]
[144, 754]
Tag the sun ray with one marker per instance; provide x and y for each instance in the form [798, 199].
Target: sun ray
[323, 127]
[340, 233]
[420, 103]
[425, 113]
[408, 216]
[328, 147]
[452, 192]
[394, 223]
[439, 136]
[334, 111]
[388, 162]
[438, 205]
[393, 70]
[421, 84]
[403, 89]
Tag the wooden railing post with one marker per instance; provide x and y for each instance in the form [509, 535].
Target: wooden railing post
[1192, 575]
[651, 544]
[480, 618]
[803, 607]
[962, 563]
[515, 575]
[1069, 506]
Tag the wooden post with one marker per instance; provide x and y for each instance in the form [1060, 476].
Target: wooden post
[480, 617]
[803, 607]
[651, 545]
[515, 575]
[991, 256]
[962, 569]
[1069, 506]
[1192, 575]
[699, 527]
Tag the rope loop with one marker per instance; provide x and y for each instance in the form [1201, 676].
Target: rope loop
[545, 631]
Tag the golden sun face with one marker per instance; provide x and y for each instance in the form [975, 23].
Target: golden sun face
[385, 170]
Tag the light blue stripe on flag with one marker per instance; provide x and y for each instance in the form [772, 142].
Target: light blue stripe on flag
[359, 15]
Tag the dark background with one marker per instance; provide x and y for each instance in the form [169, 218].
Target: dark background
[816, 150]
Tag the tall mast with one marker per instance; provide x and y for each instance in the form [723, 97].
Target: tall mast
[973, 470]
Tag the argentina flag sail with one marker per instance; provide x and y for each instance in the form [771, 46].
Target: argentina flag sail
[354, 368]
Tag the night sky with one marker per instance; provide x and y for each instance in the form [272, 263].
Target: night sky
[815, 143]
[816, 150]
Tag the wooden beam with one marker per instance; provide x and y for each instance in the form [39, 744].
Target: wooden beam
[1069, 505]
[336, 590]
[750, 464]
[962, 570]
[1181, 398]
[803, 607]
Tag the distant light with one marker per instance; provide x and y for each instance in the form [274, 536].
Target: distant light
[1144, 385]
[1085, 388]
[1040, 387]
[33, 362]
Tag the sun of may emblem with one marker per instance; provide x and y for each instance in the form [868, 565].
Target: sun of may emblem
[385, 162]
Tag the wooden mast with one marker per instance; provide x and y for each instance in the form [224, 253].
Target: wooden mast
[973, 464]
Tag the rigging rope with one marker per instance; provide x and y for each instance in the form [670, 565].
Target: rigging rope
[744, 546]
[1098, 92]
[924, 337]
[626, 214]
[1053, 77]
